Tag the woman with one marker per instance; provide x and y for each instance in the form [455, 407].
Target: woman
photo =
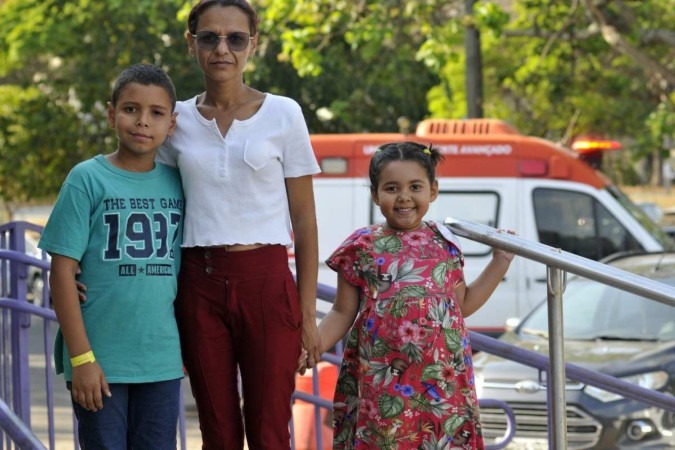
[246, 163]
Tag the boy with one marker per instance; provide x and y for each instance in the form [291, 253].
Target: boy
[119, 219]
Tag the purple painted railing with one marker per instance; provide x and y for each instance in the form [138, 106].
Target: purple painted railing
[17, 430]
[17, 316]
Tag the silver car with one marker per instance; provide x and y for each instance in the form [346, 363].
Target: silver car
[607, 330]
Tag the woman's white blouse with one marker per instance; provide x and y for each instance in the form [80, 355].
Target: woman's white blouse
[235, 184]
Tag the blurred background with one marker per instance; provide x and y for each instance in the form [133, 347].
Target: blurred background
[557, 69]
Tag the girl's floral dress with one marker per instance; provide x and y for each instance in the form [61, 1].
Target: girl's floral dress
[406, 380]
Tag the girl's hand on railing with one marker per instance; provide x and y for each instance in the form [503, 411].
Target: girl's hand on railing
[498, 253]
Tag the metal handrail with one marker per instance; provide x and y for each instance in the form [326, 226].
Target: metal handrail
[17, 430]
[566, 261]
[573, 372]
[558, 262]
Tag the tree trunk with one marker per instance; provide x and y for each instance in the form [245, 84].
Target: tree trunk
[474, 70]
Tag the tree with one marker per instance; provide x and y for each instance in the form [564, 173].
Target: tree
[58, 59]
[570, 52]
[355, 62]
[553, 68]
[591, 66]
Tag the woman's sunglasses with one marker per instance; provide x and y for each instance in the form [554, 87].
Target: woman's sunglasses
[237, 41]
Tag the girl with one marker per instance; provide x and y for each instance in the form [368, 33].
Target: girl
[406, 380]
[246, 164]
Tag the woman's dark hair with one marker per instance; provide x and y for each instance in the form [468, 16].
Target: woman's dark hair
[203, 5]
[427, 157]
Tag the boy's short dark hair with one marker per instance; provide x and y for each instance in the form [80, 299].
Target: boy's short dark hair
[147, 75]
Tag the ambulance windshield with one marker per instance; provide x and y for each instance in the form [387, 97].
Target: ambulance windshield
[666, 241]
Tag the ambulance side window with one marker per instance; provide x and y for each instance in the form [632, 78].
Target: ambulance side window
[579, 224]
[478, 206]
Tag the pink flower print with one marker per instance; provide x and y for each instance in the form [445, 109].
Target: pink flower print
[416, 239]
[342, 261]
[448, 374]
[409, 332]
[367, 408]
[424, 333]
[365, 241]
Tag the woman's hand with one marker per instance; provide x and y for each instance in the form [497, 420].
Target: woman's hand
[302, 362]
[311, 341]
[81, 288]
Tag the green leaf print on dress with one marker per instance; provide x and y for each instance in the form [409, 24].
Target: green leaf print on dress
[438, 273]
[380, 348]
[347, 384]
[379, 371]
[388, 244]
[390, 406]
[452, 424]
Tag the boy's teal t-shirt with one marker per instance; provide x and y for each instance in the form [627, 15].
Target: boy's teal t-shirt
[125, 229]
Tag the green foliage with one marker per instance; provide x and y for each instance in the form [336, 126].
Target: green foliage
[358, 61]
[58, 60]
[569, 80]
[660, 123]
[551, 73]
[489, 16]
[37, 143]
[353, 65]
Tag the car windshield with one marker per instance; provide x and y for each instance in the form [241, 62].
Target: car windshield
[638, 213]
[593, 310]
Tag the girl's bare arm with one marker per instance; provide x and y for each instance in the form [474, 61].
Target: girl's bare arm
[472, 297]
[340, 318]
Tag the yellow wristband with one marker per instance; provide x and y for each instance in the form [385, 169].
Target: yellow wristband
[84, 358]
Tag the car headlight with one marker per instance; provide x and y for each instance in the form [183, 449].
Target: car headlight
[650, 380]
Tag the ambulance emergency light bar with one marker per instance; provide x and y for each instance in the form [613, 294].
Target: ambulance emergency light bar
[593, 145]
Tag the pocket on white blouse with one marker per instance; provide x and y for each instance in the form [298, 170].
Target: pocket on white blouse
[257, 155]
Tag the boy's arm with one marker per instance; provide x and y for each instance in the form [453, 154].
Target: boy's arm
[340, 318]
[303, 219]
[88, 379]
[472, 297]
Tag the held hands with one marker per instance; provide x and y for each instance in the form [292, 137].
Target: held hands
[89, 385]
[498, 253]
[302, 362]
[311, 342]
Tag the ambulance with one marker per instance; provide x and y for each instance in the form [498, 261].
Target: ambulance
[496, 176]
